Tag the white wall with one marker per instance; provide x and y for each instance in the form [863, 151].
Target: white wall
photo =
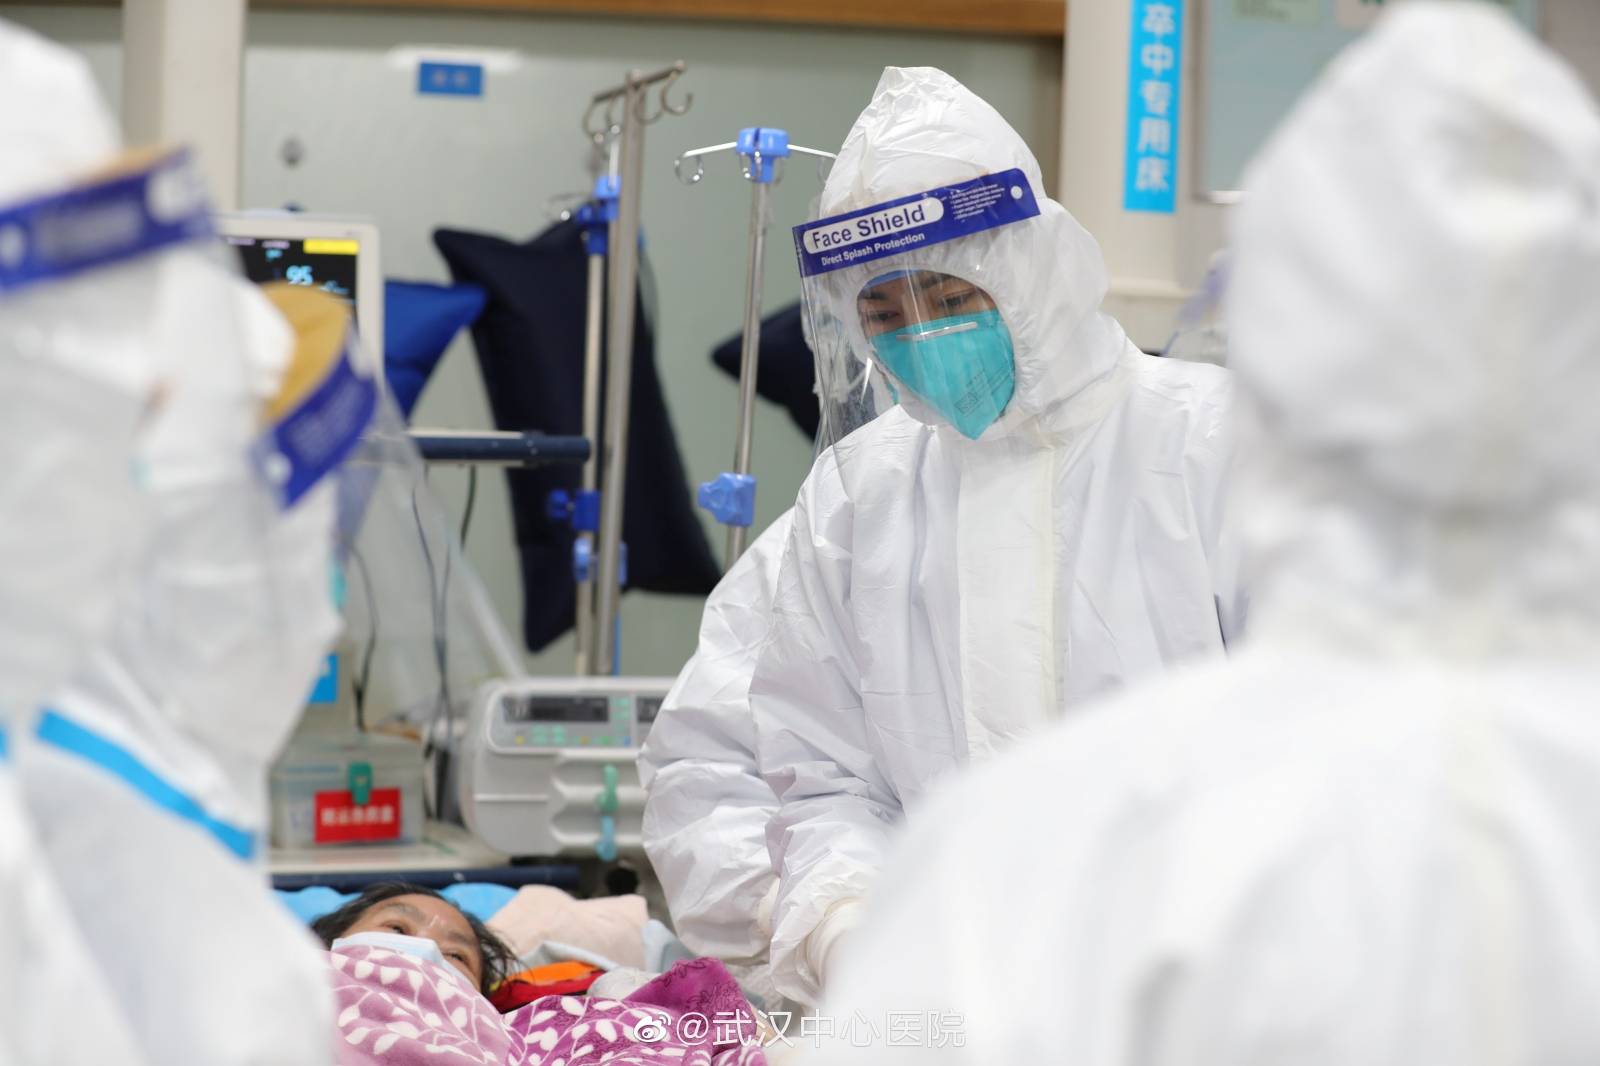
[414, 163]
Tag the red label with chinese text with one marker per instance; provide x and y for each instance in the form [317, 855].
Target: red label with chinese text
[340, 821]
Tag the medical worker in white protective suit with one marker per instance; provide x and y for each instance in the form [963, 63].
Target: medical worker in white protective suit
[146, 774]
[707, 805]
[1039, 521]
[79, 375]
[1370, 837]
[162, 745]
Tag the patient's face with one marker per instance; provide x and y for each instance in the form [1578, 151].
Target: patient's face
[433, 919]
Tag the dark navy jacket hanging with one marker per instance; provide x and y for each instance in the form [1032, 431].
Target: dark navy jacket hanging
[530, 348]
[786, 374]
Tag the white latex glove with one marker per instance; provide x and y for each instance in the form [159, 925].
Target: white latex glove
[822, 946]
[764, 915]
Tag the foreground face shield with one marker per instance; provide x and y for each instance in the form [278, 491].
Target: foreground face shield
[84, 272]
[233, 603]
[422, 634]
[900, 287]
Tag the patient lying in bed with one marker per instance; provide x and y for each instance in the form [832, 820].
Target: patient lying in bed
[411, 973]
[395, 908]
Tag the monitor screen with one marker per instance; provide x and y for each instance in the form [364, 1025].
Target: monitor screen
[340, 255]
[557, 709]
[322, 263]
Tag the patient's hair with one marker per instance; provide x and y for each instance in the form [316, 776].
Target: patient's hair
[499, 961]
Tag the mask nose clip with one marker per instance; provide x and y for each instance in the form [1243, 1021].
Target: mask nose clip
[942, 331]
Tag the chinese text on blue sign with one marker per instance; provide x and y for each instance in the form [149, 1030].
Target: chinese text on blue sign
[1154, 59]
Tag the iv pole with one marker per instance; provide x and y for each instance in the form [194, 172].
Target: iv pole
[632, 96]
[731, 497]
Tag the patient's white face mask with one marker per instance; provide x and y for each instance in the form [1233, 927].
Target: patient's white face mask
[418, 947]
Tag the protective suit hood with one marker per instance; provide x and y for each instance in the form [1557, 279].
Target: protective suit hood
[1447, 431]
[922, 130]
[62, 130]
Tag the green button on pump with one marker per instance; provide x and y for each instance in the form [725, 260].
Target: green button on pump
[361, 783]
[607, 800]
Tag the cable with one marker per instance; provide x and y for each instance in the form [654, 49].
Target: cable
[472, 496]
[427, 559]
[441, 643]
[363, 676]
[441, 640]
[439, 600]
[440, 652]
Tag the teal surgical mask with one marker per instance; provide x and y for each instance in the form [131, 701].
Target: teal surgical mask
[962, 366]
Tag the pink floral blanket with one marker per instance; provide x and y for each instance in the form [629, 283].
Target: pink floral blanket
[397, 1010]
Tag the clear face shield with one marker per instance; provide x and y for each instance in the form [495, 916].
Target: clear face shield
[421, 634]
[904, 288]
[232, 605]
[850, 395]
[88, 275]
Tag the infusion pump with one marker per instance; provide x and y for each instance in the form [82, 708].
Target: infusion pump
[548, 765]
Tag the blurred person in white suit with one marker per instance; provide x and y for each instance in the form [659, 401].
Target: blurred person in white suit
[1372, 836]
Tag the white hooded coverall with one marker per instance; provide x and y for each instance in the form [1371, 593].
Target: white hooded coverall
[1369, 838]
[78, 373]
[706, 814]
[941, 598]
[161, 745]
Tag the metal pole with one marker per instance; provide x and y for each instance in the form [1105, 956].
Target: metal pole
[624, 268]
[636, 81]
[592, 333]
[502, 447]
[749, 352]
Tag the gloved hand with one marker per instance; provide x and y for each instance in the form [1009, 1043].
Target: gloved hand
[764, 911]
[823, 945]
